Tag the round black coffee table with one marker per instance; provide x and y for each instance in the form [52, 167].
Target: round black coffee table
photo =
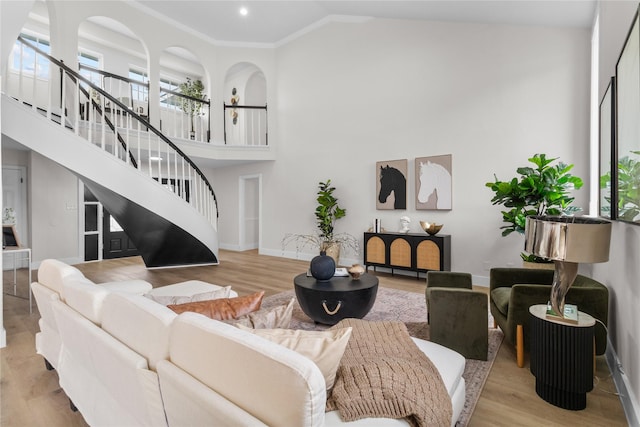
[336, 299]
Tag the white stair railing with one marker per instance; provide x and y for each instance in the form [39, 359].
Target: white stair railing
[87, 110]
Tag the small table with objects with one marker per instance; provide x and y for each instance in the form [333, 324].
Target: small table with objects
[562, 356]
[20, 254]
[338, 298]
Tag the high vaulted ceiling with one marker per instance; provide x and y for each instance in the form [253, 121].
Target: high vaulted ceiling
[272, 22]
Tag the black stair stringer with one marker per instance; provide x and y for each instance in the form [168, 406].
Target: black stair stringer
[160, 242]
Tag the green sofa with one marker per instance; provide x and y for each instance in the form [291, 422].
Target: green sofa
[513, 290]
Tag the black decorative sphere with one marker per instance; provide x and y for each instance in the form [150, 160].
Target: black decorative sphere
[322, 267]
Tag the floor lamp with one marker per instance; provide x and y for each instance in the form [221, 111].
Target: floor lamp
[567, 241]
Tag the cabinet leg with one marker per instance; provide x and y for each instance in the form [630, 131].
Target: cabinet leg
[520, 346]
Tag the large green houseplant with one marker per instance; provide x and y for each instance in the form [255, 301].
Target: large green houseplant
[191, 104]
[541, 190]
[327, 212]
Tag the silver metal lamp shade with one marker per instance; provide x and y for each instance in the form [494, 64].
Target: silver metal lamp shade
[567, 241]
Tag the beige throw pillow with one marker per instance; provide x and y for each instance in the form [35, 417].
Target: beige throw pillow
[266, 318]
[324, 348]
[223, 292]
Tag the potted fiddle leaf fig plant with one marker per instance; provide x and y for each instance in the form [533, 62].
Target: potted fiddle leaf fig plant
[544, 189]
[327, 212]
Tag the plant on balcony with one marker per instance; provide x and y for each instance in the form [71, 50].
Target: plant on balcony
[191, 104]
[541, 190]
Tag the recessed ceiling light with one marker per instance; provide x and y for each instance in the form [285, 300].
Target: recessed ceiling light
[155, 158]
[244, 11]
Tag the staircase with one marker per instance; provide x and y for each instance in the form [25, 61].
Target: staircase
[155, 192]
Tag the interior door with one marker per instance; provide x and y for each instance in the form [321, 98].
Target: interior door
[116, 243]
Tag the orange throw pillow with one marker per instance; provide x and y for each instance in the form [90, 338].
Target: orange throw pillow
[222, 308]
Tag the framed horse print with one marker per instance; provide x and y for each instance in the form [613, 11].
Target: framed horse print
[433, 182]
[391, 184]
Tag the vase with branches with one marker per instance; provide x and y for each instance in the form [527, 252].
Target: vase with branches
[325, 239]
[191, 103]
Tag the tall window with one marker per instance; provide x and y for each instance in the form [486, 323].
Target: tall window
[93, 62]
[139, 92]
[26, 60]
[166, 99]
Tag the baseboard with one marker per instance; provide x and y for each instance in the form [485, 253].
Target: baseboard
[305, 256]
[228, 247]
[480, 280]
[625, 391]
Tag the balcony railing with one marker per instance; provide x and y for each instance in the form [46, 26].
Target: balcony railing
[176, 123]
[245, 125]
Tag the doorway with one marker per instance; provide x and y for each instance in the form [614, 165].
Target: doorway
[104, 238]
[116, 243]
[250, 210]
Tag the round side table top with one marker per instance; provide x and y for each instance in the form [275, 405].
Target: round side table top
[336, 283]
[584, 320]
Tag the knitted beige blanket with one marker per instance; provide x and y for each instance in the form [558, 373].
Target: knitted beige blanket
[383, 374]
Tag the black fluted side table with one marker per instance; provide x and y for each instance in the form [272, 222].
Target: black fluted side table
[562, 356]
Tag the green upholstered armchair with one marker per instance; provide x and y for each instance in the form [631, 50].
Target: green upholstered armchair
[513, 290]
[457, 314]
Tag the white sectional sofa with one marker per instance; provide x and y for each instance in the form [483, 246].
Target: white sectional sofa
[124, 359]
[52, 275]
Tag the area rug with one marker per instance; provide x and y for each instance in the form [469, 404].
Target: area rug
[410, 308]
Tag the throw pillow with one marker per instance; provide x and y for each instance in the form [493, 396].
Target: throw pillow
[181, 299]
[266, 318]
[222, 308]
[324, 348]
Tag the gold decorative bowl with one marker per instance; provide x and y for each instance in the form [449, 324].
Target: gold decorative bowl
[430, 227]
[355, 271]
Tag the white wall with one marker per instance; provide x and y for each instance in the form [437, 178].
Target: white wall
[622, 271]
[18, 11]
[350, 95]
[53, 201]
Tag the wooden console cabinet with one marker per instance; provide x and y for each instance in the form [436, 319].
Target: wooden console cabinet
[411, 251]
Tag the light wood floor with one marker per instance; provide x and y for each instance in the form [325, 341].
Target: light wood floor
[31, 396]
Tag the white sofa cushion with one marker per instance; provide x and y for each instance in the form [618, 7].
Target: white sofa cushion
[188, 288]
[52, 274]
[251, 372]
[85, 297]
[140, 324]
[136, 287]
[222, 292]
[324, 348]
[449, 363]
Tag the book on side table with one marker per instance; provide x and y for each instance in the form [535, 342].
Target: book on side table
[570, 314]
[340, 272]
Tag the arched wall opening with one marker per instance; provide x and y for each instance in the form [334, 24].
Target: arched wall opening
[188, 116]
[245, 93]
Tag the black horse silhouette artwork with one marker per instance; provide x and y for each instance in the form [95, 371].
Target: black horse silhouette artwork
[391, 179]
